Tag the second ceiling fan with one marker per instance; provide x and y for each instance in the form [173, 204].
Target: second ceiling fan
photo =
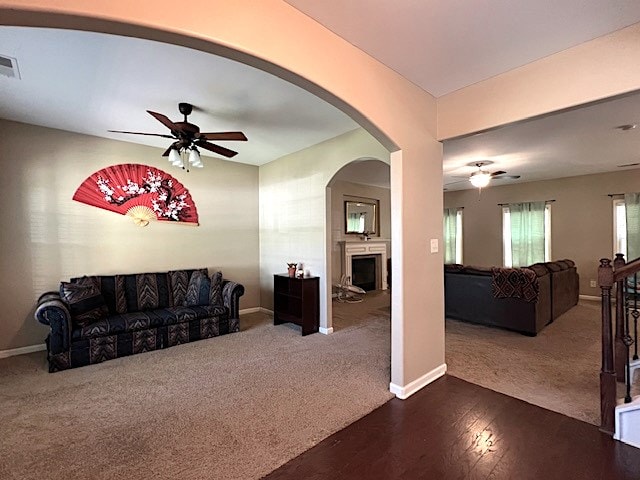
[188, 138]
[481, 178]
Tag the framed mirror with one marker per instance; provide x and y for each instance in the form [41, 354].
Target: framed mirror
[361, 216]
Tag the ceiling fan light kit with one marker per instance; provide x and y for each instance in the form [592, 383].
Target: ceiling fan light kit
[480, 179]
[183, 152]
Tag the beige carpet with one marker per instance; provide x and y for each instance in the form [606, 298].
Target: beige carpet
[233, 407]
[558, 370]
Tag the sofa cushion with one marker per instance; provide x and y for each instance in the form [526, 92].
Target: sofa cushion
[215, 292]
[474, 270]
[539, 269]
[126, 322]
[146, 291]
[567, 263]
[198, 290]
[453, 267]
[196, 312]
[86, 303]
[178, 283]
[135, 321]
[112, 289]
[552, 267]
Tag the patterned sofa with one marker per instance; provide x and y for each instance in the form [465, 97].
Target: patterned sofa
[93, 319]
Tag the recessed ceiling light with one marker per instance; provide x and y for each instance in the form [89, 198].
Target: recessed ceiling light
[628, 126]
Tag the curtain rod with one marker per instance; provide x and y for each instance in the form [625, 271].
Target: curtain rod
[506, 204]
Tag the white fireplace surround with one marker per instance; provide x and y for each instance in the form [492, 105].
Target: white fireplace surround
[368, 248]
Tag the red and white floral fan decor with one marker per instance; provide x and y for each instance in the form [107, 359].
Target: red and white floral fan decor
[139, 191]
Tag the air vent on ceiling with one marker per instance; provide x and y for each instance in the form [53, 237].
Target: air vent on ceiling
[9, 67]
[629, 165]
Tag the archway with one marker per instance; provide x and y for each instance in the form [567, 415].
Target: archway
[361, 87]
[366, 177]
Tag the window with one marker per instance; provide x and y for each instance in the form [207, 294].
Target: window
[452, 224]
[619, 227]
[626, 226]
[526, 238]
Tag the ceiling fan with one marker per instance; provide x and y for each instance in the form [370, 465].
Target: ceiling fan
[481, 178]
[188, 137]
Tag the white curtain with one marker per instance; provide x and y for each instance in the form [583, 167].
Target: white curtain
[632, 208]
[355, 222]
[450, 231]
[527, 233]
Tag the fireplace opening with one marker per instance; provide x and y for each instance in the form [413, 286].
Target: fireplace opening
[363, 271]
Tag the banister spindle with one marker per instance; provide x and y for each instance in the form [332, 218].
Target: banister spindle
[607, 372]
[635, 314]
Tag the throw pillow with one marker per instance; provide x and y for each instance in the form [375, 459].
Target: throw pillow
[198, 290]
[215, 293]
[86, 303]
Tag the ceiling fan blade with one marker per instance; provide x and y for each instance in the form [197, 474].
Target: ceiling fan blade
[453, 183]
[506, 176]
[499, 172]
[237, 136]
[163, 119]
[167, 151]
[216, 148]
[140, 133]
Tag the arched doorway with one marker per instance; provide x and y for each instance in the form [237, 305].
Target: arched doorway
[406, 126]
[364, 180]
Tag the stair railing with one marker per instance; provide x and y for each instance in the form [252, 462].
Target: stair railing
[616, 364]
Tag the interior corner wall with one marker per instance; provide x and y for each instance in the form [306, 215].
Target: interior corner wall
[341, 191]
[47, 237]
[293, 207]
[581, 218]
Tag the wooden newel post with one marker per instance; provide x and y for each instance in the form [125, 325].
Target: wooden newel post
[607, 372]
[621, 351]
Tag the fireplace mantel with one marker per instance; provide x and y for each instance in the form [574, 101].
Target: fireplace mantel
[377, 248]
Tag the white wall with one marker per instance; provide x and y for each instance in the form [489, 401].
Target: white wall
[341, 191]
[47, 237]
[293, 208]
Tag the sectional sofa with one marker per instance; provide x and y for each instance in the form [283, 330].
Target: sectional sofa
[491, 295]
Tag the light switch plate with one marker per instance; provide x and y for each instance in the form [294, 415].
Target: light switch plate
[434, 245]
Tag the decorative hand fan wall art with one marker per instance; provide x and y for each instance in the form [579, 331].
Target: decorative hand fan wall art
[144, 193]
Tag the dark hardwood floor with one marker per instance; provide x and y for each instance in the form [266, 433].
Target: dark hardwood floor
[453, 429]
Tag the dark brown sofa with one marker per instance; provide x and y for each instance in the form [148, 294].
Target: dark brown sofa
[469, 296]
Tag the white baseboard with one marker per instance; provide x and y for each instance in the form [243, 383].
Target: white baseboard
[590, 297]
[22, 350]
[326, 331]
[411, 388]
[244, 311]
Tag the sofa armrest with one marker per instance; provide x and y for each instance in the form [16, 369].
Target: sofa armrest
[231, 293]
[52, 311]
